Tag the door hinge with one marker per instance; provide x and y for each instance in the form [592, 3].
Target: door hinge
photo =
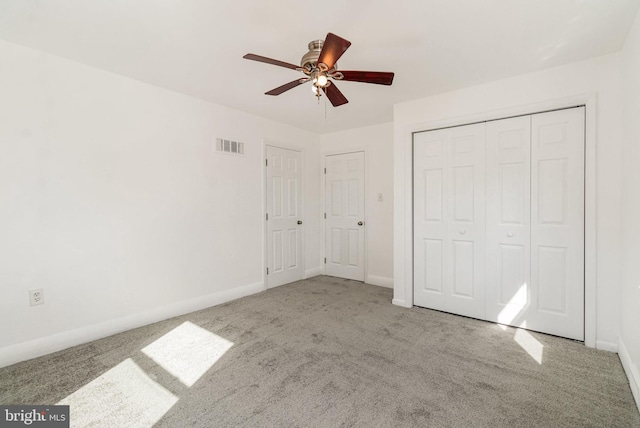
[266, 162]
[325, 215]
[267, 271]
[267, 215]
[325, 260]
[325, 170]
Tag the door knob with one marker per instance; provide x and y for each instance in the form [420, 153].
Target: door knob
[462, 231]
[510, 235]
[360, 223]
[299, 221]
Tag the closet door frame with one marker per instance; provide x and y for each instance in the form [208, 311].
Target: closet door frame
[403, 204]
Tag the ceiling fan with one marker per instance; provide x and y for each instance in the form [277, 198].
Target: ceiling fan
[320, 65]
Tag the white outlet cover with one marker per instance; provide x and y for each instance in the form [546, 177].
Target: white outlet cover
[36, 297]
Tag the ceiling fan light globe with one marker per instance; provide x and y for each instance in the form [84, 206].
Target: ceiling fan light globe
[322, 80]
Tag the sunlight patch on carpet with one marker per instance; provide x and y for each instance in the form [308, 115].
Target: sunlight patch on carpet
[187, 352]
[123, 396]
[530, 344]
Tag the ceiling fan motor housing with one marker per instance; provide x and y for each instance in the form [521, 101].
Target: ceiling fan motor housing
[309, 60]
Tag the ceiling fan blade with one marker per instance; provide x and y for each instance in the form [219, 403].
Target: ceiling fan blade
[334, 95]
[377, 77]
[271, 61]
[332, 49]
[286, 87]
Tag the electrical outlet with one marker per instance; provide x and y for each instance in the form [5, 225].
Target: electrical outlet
[36, 297]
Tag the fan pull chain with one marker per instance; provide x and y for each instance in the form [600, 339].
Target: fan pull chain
[325, 109]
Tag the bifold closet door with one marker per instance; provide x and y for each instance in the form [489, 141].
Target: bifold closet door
[505, 199]
[449, 220]
[535, 222]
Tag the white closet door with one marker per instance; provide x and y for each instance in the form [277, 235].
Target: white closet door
[508, 220]
[344, 204]
[449, 220]
[284, 225]
[557, 223]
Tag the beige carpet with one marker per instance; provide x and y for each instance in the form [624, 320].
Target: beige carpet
[327, 352]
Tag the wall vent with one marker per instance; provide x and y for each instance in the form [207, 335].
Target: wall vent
[229, 147]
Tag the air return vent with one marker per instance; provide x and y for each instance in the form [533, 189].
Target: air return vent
[229, 147]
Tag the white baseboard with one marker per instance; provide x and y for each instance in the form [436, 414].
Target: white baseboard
[606, 346]
[399, 302]
[631, 370]
[310, 273]
[381, 281]
[57, 342]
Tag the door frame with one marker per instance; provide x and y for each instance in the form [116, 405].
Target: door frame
[265, 238]
[403, 201]
[323, 195]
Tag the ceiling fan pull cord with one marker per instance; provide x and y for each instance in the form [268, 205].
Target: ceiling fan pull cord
[325, 110]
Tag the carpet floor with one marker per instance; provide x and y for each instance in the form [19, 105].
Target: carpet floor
[327, 352]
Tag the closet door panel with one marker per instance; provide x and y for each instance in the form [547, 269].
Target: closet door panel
[557, 217]
[430, 212]
[508, 220]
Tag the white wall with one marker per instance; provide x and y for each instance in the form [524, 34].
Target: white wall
[114, 203]
[377, 142]
[599, 75]
[630, 325]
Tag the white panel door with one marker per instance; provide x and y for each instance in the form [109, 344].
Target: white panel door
[557, 223]
[344, 226]
[508, 187]
[284, 216]
[449, 220]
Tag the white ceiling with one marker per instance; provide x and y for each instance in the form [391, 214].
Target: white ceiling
[196, 46]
